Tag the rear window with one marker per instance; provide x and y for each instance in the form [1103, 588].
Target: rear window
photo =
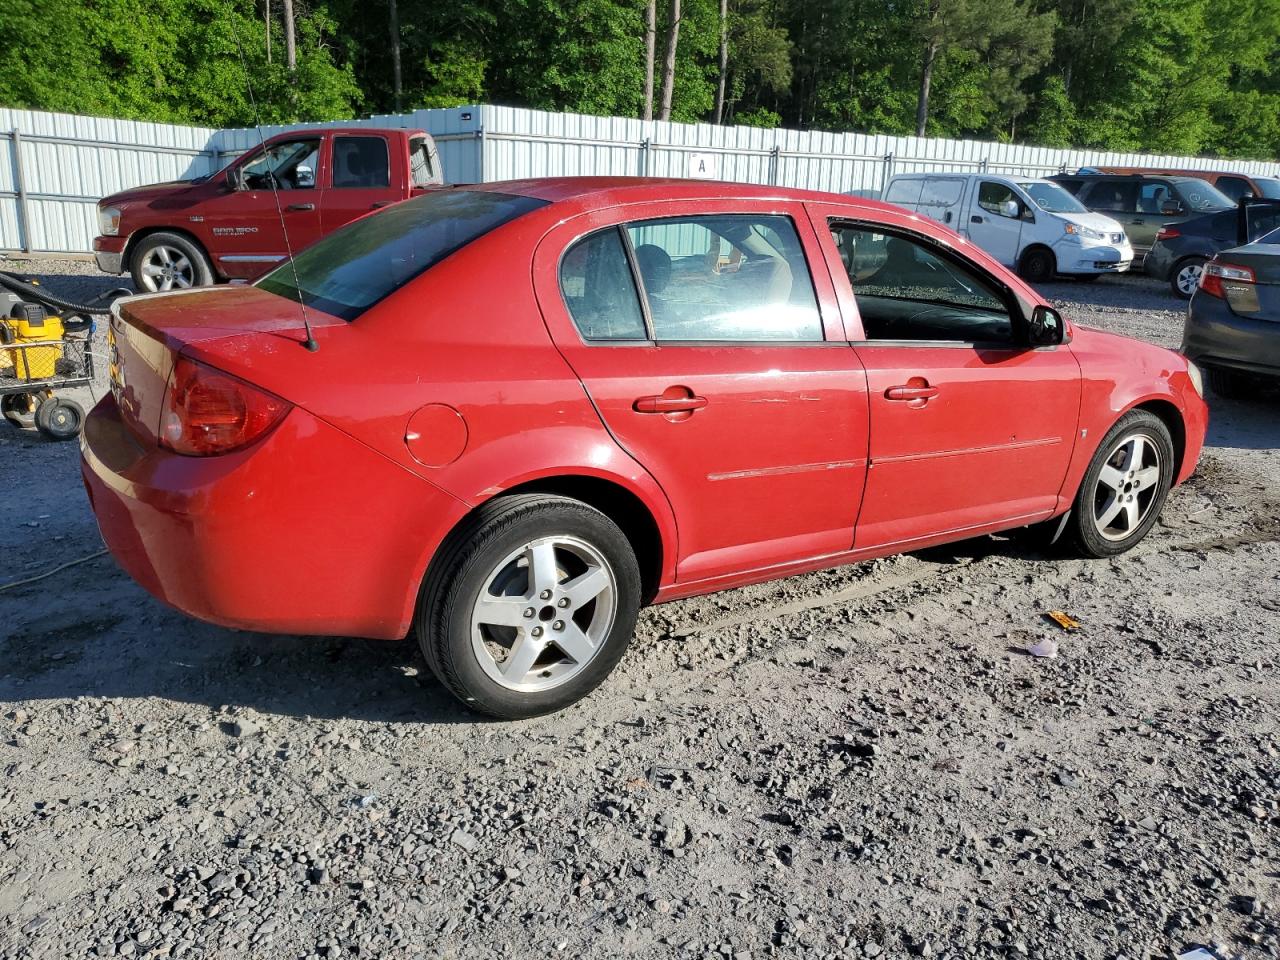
[351, 269]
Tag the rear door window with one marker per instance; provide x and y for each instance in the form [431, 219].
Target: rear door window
[347, 272]
[905, 193]
[361, 163]
[1113, 196]
[939, 197]
[422, 171]
[599, 288]
[725, 278]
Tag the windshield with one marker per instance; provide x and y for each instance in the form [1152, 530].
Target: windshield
[1203, 197]
[1052, 198]
[351, 269]
[1268, 187]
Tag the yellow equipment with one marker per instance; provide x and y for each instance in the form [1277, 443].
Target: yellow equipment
[31, 326]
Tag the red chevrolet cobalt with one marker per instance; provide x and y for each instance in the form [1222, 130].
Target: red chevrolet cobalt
[534, 406]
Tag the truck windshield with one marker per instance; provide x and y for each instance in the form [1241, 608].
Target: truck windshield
[1051, 198]
[1268, 187]
[351, 269]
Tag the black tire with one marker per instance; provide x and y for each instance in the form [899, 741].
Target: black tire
[462, 568]
[1181, 275]
[1037, 265]
[1229, 384]
[152, 250]
[59, 419]
[1083, 524]
[19, 408]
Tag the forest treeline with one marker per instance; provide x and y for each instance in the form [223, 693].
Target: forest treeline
[1175, 76]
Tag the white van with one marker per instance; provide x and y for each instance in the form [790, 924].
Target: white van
[1033, 225]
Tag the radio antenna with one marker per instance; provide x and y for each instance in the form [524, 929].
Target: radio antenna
[310, 343]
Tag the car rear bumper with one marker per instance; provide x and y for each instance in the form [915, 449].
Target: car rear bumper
[270, 538]
[109, 252]
[1216, 336]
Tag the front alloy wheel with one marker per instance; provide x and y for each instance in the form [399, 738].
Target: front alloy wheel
[1125, 487]
[528, 605]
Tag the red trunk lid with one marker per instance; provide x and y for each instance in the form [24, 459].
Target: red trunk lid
[147, 333]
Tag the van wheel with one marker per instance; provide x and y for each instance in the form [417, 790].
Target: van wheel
[1125, 487]
[168, 261]
[1184, 280]
[529, 605]
[1037, 266]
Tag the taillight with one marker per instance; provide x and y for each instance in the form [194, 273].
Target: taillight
[1217, 275]
[1168, 233]
[207, 412]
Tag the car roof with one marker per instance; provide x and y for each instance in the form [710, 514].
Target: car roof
[610, 191]
[302, 131]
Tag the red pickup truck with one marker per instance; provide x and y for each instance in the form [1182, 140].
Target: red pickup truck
[228, 226]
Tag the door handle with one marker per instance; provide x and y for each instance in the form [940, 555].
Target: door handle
[975, 219]
[668, 404]
[301, 207]
[1137, 223]
[379, 204]
[905, 392]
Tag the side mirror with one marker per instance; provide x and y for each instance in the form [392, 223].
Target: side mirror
[235, 178]
[304, 177]
[1171, 208]
[1011, 208]
[1046, 327]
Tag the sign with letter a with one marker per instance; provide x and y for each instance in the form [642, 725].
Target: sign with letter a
[702, 166]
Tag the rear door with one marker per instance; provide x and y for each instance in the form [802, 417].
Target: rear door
[940, 199]
[991, 224]
[716, 359]
[365, 175]
[969, 428]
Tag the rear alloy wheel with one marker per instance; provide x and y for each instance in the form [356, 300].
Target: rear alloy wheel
[529, 606]
[1037, 266]
[1125, 486]
[59, 419]
[1185, 279]
[168, 261]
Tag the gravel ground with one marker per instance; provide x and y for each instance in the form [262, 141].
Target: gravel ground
[856, 763]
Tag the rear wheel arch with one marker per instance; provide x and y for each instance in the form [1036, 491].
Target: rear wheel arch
[620, 504]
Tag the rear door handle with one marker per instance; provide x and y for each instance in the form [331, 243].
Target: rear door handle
[378, 204]
[905, 392]
[975, 219]
[301, 207]
[668, 404]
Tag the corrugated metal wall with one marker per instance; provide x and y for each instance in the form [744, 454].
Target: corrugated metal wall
[68, 162]
[64, 163]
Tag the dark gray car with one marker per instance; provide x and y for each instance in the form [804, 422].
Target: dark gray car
[1233, 323]
[1181, 249]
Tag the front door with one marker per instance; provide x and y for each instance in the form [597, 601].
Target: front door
[275, 210]
[995, 221]
[716, 359]
[969, 428]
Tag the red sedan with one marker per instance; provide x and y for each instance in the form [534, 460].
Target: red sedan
[534, 406]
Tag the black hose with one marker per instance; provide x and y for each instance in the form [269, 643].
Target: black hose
[31, 292]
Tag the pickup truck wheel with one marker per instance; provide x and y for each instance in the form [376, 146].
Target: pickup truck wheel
[169, 261]
[529, 605]
[1037, 265]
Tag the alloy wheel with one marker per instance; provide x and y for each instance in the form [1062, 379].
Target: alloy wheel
[1188, 278]
[166, 268]
[1127, 487]
[544, 613]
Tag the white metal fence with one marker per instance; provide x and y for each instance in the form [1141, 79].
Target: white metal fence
[54, 167]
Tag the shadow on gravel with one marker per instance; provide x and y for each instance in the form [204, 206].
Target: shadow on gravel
[72, 649]
[1252, 424]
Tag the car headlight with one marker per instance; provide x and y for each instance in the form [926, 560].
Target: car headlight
[1074, 229]
[108, 221]
[1197, 378]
